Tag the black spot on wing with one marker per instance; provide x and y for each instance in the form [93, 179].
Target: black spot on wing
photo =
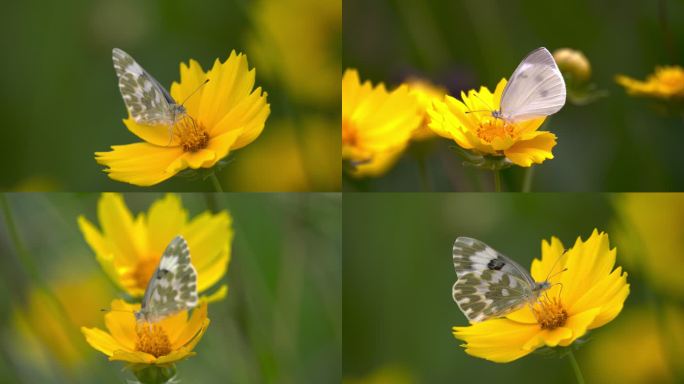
[496, 264]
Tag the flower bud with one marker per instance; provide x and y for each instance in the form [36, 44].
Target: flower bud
[573, 62]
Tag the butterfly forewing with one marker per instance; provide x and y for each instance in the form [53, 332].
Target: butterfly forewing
[147, 101]
[489, 284]
[173, 286]
[535, 89]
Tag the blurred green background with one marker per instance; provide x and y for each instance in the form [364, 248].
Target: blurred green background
[398, 274]
[280, 323]
[60, 101]
[617, 143]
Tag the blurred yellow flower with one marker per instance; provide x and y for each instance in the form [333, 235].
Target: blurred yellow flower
[425, 92]
[296, 50]
[573, 62]
[384, 375]
[376, 124]
[471, 125]
[305, 154]
[667, 82]
[655, 353]
[129, 248]
[41, 340]
[169, 340]
[590, 294]
[647, 248]
[224, 115]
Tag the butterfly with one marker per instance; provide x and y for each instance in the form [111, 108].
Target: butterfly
[147, 101]
[490, 284]
[536, 89]
[173, 286]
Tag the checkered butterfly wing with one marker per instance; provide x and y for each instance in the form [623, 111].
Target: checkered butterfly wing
[173, 286]
[489, 284]
[147, 101]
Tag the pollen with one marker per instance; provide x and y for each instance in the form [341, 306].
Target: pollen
[490, 129]
[152, 339]
[550, 313]
[191, 134]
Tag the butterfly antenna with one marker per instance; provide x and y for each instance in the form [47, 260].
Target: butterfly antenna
[554, 267]
[195, 91]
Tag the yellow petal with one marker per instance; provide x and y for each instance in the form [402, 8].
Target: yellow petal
[220, 294]
[174, 325]
[533, 150]
[159, 135]
[119, 228]
[121, 326]
[249, 116]
[499, 340]
[588, 262]
[174, 356]
[166, 218]
[229, 82]
[100, 246]
[222, 144]
[140, 164]
[552, 260]
[101, 340]
[209, 238]
[133, 357]
[193, 329]
[579, 323]
[204, 158]
[554, 336]
[192, 77]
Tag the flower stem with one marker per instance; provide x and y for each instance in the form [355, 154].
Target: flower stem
[497, 181]
[215, 182]
[527, 181]
[575, 367]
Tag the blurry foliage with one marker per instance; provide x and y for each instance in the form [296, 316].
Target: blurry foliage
[61, 102]
[617, 143]
[281, 320]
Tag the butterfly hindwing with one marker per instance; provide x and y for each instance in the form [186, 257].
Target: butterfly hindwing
[147, 101]
[536, 88]
[173, 286]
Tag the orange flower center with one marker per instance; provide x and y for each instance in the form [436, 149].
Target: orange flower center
[143, 271]
[550, 313]
[492, 128]
[152, 339]
[671, 78]
[349, 135]
[191, 134]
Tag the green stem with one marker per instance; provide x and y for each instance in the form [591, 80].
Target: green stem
[497, 181]
[215, 182]
[527, 181]
[575, 367]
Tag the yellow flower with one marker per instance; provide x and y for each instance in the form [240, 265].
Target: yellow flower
[376, 124]
[667, 82]
[590, 294]
[169, 340]
[480, 132]
[297, 50]
[224, 115]
[647, 246]
[655, 353]
[129, 248]
[573, 62]
[425, 92]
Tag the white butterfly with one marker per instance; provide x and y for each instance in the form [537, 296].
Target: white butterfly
[490, 284]
[147, 101]
[536, 89]
[173, 286]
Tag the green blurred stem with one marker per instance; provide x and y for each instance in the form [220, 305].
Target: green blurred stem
[497, 181]
[154, 374]
[215, 182]
[527, 181]
[575, 367]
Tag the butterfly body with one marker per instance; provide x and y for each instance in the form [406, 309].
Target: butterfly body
[147, 101]
[173, 285]
[535, 89]
[489, 284]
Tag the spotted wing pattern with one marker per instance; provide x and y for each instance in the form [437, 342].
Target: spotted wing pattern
[147, 101]
[489, 284]
[173, 286]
